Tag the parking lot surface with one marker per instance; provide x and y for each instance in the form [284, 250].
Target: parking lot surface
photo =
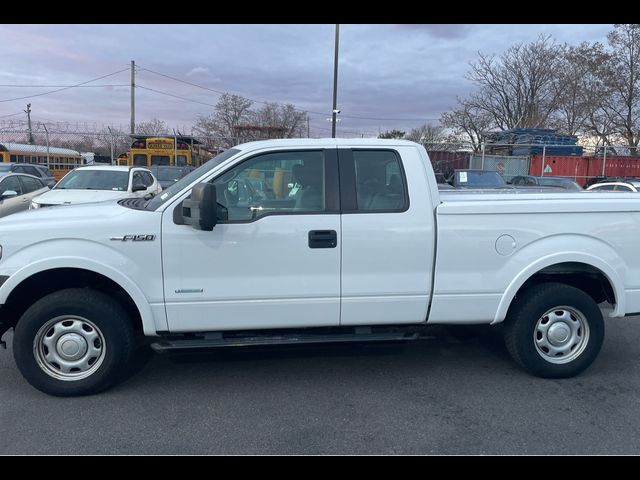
[456, 391]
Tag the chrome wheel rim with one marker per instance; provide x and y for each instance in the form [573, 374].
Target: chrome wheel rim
[561, 334]
[69, 348]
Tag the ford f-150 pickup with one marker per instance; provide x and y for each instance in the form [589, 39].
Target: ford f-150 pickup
[308, 241]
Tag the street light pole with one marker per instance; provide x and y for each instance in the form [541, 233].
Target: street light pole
[335, 84]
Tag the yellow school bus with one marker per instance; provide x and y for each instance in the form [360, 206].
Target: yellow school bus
[59, 160]
[149, 150]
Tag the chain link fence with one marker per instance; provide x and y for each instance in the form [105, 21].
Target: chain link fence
[583, 164]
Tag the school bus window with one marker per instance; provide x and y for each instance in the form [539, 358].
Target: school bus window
[159, 160]
[181, 160]
[140, 159]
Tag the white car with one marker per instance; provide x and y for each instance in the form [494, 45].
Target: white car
[98, 184]
[626, 186]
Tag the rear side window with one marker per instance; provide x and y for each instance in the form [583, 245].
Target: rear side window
[380, 182]
[30, 184]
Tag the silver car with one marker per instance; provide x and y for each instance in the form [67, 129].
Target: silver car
[17, 190]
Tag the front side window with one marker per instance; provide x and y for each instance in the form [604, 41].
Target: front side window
[285, 182]
[380, 184]
[10, 184]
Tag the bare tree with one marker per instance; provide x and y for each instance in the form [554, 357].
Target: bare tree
[516, 89]
[392, 134]
[621, 107]
[469, 122]
[283, 121]
[221, 127]
[152, 127]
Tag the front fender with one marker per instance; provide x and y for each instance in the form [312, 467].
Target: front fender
[560, 249]
[85, 255]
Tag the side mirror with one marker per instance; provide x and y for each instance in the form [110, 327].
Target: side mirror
[201, 210]
[8, 194]
[138, 187]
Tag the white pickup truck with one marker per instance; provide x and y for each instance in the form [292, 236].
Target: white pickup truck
[307, 241]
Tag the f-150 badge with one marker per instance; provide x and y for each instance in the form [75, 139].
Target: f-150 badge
[135, 238]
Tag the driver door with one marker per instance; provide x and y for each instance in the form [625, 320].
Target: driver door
[273, 262]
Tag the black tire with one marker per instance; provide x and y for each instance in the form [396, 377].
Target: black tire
[535, 350]
[92, 309]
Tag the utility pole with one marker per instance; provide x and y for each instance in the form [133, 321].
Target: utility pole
[28, 112]
[335, 84]
[133, 97]
[308, 129]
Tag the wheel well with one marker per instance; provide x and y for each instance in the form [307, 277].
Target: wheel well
[43, 283]
[580, 275]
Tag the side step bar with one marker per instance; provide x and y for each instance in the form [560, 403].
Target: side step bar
[218, 340]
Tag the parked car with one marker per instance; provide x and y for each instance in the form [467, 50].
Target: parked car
[559, 182]
[601, 179]
[17, 190]
[99, 183]
[39, 171]
[167, 175]
[477, 179]
[626, 186]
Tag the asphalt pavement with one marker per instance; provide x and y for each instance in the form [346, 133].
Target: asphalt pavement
[456, 391]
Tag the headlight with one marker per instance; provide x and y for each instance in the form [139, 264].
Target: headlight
[34, 205]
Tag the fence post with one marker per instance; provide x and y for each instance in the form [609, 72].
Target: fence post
[482, 164]
[604, 160]
[46, 134]
[544, 155]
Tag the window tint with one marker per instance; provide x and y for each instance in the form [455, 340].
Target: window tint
[31, 170]
[273, 183]
[159, 160]
[604, 187]
[140, 159]
[30, 184]
[11, 183]
[147, 179]
[379, 181]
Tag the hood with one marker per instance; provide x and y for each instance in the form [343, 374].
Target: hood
[73, 197]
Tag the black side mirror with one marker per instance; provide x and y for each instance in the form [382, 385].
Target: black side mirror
[201, 210]
[138, 187]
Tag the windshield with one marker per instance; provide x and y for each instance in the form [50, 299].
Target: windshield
[158, 200]
[95, 180]
[5, 167]
[560, 182]
[479, 179]
[167, 174]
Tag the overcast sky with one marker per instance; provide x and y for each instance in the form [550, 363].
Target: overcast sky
[411, 73]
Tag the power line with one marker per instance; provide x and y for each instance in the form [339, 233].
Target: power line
[175, 96]
[65, 88]
[220, 92]
[11, 115]
[266, 103]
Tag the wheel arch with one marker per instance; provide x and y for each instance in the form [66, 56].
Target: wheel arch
[44, 277]
[578, 269]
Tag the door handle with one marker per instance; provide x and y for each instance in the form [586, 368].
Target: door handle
[323, 239]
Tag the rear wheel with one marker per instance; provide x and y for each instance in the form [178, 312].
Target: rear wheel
[73, 342]
[554, 330]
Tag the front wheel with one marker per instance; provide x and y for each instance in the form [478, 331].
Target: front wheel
[73, 342]
[554, 330]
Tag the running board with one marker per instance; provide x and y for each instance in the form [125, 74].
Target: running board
[217, 341]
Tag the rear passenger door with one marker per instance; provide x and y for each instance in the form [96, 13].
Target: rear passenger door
[388, 236]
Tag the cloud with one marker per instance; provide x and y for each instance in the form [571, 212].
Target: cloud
[198, 71]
